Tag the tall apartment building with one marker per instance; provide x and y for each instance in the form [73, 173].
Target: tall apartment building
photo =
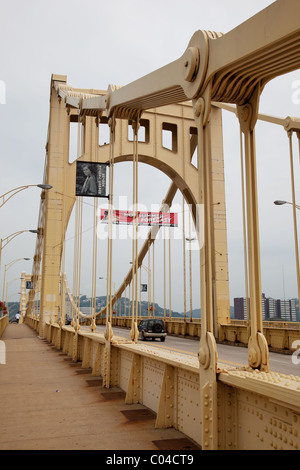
[287, 309]
[271, 309]
[240, 308]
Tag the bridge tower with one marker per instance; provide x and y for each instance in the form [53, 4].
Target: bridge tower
[176, 163]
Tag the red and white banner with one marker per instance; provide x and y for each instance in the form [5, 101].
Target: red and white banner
[163, 219]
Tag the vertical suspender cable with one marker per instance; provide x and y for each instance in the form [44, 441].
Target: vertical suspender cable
[149, 279]
[298, 136]
[110, 214]
[95, 248]
[125, 303]
[244, 231]
[164, 235]
[136, 215]
[129, 300]
[77, 243]
[79, 258]
[75, 265]
[170, 283]
[153, 283]
[183, 254]
[290, 135]
[80, 205]
[63, 262]
[94, 268]
[133, 232]
[190, 268]
[135, 126]
[140, 292]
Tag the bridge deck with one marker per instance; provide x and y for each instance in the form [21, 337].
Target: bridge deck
[50, 403]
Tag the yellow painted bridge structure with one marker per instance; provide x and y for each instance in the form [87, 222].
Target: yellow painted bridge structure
[216, 406]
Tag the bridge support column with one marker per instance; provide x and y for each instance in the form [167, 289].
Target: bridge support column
[207, 348]
[57, 159]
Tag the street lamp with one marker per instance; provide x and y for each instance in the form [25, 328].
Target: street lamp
[44, 186]
[148, 270]
[280, 203]
[9, 194]
[7, 266]
[114, 287]
[295, 206]
[5, 241]
[7, 285]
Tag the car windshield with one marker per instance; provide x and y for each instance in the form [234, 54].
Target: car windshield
[155, 322]
[151, 323]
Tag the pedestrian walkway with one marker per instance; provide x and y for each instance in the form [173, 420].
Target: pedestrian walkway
[49, 403]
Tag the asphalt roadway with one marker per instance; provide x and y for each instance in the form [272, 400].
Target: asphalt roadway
[231, 355]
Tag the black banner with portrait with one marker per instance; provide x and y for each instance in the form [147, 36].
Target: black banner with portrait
[91, 179]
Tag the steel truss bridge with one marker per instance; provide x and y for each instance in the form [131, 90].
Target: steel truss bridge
[218, 406]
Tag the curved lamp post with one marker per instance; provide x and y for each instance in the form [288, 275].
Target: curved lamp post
[295, 206]
[148, 271]
[7, 266]
[9, 194]
[6, 288]
[5, 241]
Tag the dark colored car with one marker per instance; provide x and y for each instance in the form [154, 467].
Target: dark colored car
[152, 329]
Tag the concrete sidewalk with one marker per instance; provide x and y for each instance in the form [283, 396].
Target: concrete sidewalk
[49, 403]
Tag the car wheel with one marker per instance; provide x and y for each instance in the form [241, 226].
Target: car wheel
[162, 339]
[157, 328]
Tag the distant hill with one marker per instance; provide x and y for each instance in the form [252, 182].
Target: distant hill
[101, 302]
[120, 307]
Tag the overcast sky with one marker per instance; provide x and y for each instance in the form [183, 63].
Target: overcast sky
[97, 43]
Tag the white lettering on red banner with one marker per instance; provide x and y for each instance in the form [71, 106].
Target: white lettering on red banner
[165, 219]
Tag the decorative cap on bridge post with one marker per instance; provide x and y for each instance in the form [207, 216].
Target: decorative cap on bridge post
[58, 78]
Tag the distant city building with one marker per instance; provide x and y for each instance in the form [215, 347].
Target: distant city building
[286, 309]
[240, 308]
[271, 309]
[263, 306]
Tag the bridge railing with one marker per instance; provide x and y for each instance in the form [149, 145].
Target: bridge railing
[255, 410]
[3, 324]
[280, 336]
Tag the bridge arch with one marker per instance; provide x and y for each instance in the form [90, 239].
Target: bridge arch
[174, 177]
